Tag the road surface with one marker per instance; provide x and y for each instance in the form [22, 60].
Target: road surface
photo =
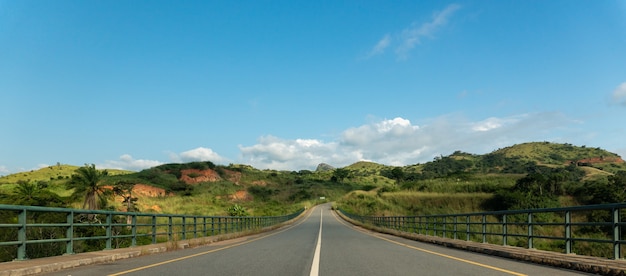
[319, 244]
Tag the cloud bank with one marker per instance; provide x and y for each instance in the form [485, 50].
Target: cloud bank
[127, 162]
[399, 142]
[396, 142]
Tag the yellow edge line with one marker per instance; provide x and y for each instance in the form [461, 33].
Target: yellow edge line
[428, 251]
[210, 251]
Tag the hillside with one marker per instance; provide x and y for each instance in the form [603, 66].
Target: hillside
[59, 171]
[206, 188]
[545, 153]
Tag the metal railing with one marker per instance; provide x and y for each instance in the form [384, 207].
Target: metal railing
[595, 230]
[22, 227]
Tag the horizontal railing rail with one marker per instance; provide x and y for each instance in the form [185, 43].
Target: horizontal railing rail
[22, 228]
[595, 230]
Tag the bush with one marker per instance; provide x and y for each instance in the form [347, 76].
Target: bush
[237, 211]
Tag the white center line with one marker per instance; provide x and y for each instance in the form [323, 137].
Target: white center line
[315, 267]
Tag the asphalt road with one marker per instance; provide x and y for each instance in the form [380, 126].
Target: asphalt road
[319, 244]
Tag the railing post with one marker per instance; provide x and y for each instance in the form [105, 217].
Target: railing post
[468, 228]
[504, 231]
[530, 230]
[109, 232]
[455, 227]
[154, 229]
[419, 229]
[184, 228]
[169, 228]
[405, 221]
[69, 233]
[616, 234]
[21, 235]
[195, 227]
[568, 232]
[204, 232]
[484, 230]
[134, 229]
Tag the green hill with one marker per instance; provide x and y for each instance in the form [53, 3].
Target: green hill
[558, 154]
[60, 171]
[206, 188]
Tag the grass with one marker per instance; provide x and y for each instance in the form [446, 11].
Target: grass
[50, 173]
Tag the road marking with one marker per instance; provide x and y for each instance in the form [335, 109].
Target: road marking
[315, 267]
[210, 251]
[427, 251]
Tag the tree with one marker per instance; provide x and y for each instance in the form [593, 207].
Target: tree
[87, 182]
[340, 174]
[398, 174]
[125, 190]
[32, 194]
[25, 192]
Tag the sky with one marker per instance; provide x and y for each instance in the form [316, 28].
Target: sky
[287, 85]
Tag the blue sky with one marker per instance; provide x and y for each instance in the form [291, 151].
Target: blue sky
[287, 85]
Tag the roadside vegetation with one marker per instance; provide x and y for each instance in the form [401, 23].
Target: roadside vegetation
[530, 175]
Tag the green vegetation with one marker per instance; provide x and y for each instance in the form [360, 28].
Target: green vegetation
[530, 175]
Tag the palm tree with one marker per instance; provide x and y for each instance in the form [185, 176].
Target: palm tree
[87, 182]
[25, 193]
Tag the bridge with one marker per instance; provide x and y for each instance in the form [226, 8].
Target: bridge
[319, 241]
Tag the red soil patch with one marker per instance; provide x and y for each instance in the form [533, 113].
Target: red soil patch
[156, 208]
[232, 176]
[242, 195]
[145, 190]
[261, 183]
[193, 176]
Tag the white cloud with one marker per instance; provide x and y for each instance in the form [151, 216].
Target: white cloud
[413, 35]
[4, 169]
[488, 124]
[619, 94]
[399, 142]
[396, 142]
[201, 154]
[380, 47]
[274, 153]
[127, 162]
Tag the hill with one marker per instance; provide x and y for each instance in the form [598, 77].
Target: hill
[59, 171]
[545, 153]
[206, 188]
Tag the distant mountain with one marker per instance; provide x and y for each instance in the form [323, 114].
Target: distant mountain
[322, 167]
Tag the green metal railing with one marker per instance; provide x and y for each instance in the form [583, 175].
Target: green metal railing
[24, 226]
[597, 230]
